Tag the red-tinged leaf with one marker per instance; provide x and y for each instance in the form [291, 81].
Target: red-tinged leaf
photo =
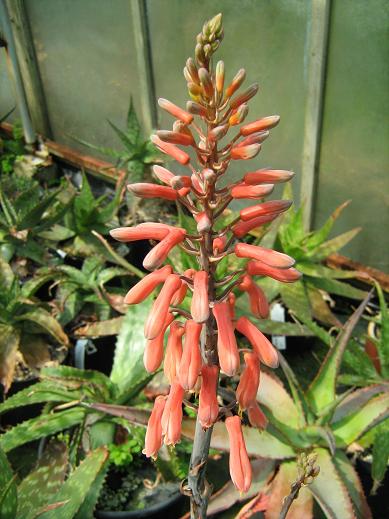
[273, 395]
[281, 486]
[358, 398]
[330, 490]
[351, 480]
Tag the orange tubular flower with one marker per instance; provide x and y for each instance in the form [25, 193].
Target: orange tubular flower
[245, 96]
[179, 296]
[190, 364]
[163, 174]
[173, 351]
[245, 152]
[159, 311]
[219, 244]
[208, 406]
[240, 229]
[172, 415]
[266, 208]
[200, 304]
[240, 467]
[274, 176]
[244, 191]
[175, 111]
[270, 257]
[256, 416]
[247, 389]
[171, 149]
[266, 123]
[255, 138]
[231, 304]
[236, 82]
[257, 268]
[156, 231]
[153, 440]
[153, 354]
[226, 340]
[259, 305]
[159, 253]
[175, 137]
[145, 286]
[143, 190]
[261, 345]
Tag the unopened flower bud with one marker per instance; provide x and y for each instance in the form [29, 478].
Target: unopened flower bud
[240, 229]
[153, 352]
[206, 82]
[245, 152]
[172, 415]
[155, 231]
[195, 89]
[240, 467]
[266, 123]
[257, 268]
[270, 257]
[247, 389]
[236, 82]
[175, 137]
[259, 305]
[145, 286]
[219, 77]
[159, 253]
[255, 138]
[196, 108]
[190, 364]
[218, 133]
[180, 181]
[204, 224]
[256, 416]
[208, 406]
[273, 207]
[261, 345]
[253, 192]
[144, 190]
[209, 175]
[170, 149]
[200, 304]
[274, 176]
[219, 244]
[192, 69]
[173, 351]
[244, 97]
[153, 439]
[226, 340]
[175, 110]
[239, 115]
[155, 321]
[163, 174]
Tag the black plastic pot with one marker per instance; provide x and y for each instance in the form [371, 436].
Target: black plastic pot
[171, 508]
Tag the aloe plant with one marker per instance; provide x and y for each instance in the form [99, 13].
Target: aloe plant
[49, 491]
[25, 217]
[69, 393]
[79, 288]
[25, 326]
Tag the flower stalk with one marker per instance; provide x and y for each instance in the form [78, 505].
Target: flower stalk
[202, 344]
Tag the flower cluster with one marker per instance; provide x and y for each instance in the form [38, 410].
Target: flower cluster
[202, 338]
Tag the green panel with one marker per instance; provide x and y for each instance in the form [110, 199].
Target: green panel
[7, 95]
[354, 152]
[266, 38]
[87, 61]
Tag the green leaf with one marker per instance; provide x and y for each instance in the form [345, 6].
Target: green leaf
[34, 216]
[317, 237]
[41, 485]
[100, 328]
[330, 490]
[42, 318]
[274, 396]
[8, 209]
[322, 390]
[128, 369]
[111, 273]
[349, 428]
[331, 246]
[39, 427]
[40, 392]
[6, 276]
[75, 489]
[57, 233]
[383, 348]
[8, 492]
[126, 140]
[320, 308]
[133, 126]
[295, 297]
[83, 204]
[356, 399]
[333, 286]
[320, 271]
[87, 508]
[380, 458]
[41, 277]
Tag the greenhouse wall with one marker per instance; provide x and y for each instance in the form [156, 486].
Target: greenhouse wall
[121, 48]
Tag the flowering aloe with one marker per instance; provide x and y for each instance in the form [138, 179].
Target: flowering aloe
[203, 342]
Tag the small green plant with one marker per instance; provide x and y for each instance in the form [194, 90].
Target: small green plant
[11, 148]
[137, 153]
[26, 326]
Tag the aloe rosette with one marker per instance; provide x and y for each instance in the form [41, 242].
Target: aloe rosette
[202, 342]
